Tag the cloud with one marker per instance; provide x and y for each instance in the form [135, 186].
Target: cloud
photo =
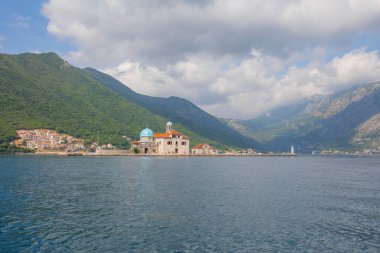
[259, 83]
[168, 31]
[233, 58]
[20, 22]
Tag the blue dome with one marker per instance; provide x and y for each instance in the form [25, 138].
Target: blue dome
[146, 133]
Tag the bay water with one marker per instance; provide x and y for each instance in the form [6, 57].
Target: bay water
[189, 204]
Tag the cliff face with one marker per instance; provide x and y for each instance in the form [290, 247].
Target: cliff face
[343, 119]
[348, 119]
[368, 133]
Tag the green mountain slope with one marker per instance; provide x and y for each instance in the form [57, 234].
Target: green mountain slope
[345, 120]
[44, 91]
[179, 110]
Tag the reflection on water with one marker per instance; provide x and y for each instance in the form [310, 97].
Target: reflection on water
[205, 204]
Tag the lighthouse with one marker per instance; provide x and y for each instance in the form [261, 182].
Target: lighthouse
[292, 149]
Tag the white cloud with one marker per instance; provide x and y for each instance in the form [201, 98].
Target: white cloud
[253, 86]
[351, 69]
[20, 22]
[110, 32]
[233, 58]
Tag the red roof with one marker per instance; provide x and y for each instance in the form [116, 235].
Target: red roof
[202, 146]
[169, 135]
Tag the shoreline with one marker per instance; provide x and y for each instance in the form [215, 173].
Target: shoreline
[151, 155]
[65, 154]
[190, 155]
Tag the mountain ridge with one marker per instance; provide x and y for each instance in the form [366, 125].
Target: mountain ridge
[179, 110]
[319, 122]
[45, 91]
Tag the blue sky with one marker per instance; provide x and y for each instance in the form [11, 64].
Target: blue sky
[23, 29]
[232, 58]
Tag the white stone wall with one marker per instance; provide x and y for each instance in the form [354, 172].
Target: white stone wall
[149, 147]
[165, 148]
[146, 139]
[197, 151]
[206, 150]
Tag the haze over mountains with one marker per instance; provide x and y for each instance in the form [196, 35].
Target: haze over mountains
[345, 120]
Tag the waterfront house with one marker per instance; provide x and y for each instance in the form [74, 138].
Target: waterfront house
[204, 149]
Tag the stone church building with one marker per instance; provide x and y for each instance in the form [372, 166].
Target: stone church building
[171, 142]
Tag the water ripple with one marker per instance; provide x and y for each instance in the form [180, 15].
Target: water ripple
[121, 204]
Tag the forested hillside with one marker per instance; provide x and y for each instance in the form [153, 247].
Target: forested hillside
[44, 91]
[179, 110]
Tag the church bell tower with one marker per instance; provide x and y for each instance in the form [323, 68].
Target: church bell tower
[169, 127]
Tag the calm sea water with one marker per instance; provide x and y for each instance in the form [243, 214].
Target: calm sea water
[157, 204]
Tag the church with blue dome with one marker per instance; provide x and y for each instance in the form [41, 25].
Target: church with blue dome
[146, 134]
[170, 142]
[146, 144]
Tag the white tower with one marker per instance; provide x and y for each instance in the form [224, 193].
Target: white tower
[292, 149]
[169, 127]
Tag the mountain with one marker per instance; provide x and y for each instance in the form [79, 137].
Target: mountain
[346, 120]
[44, 91]
[179, 110]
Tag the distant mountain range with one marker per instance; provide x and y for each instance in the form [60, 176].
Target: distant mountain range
[44, 91]
[346, 120]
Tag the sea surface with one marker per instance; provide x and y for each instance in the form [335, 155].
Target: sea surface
[194, 204]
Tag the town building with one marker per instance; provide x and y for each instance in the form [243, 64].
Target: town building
[146, 145]
[204, 149]
[47, 140]
[170, 142]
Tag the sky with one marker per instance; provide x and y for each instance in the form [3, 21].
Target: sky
[234, 59]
